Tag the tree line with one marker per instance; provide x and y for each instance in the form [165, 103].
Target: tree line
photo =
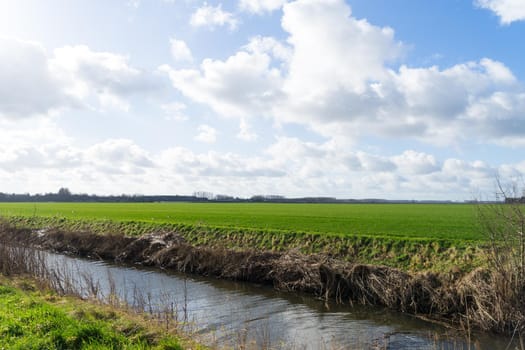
[65, 195]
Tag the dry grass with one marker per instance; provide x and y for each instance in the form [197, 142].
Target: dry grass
[483, 299]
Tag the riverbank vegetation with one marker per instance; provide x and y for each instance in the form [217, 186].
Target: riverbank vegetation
[477, 299]
[411, 237]
[39, 311]
[36, 319]
[439, 275]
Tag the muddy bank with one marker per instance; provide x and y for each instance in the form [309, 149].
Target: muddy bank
[481, 299]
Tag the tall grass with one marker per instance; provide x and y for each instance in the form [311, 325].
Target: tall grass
[405, 253]
[504, 226]
[162, 311]
[479, 299]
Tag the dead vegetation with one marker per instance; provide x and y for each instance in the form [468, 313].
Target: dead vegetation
[499, 298]
[482, 299]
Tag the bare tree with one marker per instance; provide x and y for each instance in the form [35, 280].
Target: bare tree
[504, 224]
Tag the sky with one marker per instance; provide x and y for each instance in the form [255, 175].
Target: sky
[394, 99]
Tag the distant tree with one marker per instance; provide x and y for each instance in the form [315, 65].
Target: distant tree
[223, 197]
[64, 192]
[203, 195]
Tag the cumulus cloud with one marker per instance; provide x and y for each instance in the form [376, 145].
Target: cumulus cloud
[270, 46]
[213, 16]
[35, 82]
[242, 85]
[261, 6]
[360, 174]
[206, 134]
[175, 111]
[416, 162]
[36, 149]
[180, 51]
[113, 166]
[16, 158]
[38, 156]
[245, 131]
[507, 10]
[354, 51]
[28, 84]
[118, 156]
[289, 166]
[214, 164]
[107, 76]
[353, 88]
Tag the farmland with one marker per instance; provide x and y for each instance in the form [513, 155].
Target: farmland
[409, 221]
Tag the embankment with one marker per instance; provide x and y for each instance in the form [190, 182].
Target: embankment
[33, 318]
[480, 298]
[407, 254]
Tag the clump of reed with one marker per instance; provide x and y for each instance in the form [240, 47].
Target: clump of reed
[485, 299]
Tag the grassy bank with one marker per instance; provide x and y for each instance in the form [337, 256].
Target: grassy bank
[483, 298]
[415, 237]
[409, 253]
[34, 319]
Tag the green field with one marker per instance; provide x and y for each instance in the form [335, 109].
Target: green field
[33, 319]
[434, 221]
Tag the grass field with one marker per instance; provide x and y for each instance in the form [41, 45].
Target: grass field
[434, 221]
[32, 319]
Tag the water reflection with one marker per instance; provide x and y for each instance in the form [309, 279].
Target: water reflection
[224, 310]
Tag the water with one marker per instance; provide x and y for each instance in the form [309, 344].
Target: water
[224, 311]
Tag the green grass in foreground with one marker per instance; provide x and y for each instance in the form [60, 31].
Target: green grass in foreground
[425, 221]
[35, 320]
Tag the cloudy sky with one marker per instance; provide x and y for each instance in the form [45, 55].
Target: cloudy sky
[398, 99]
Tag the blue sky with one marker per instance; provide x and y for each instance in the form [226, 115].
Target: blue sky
[391, 99]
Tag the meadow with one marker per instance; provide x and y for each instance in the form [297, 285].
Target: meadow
[412, 221]
[35, 318]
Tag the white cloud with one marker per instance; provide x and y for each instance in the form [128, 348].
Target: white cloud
[214, 164]
[28, 84]
[110, 167]
[39, 144]
[270, 46]
[351, 89]
[33, 82]
[245, 131]
[353, 51]
[357, 174]
[213, 16]
[118, 156]
[355, 88]
[375, 163]
[290, 166]
[134, 3]
[261, 6]
[175, 111]
[507, 10]
[413, 162]
[180, 51]
[106, 76]
[206, 134]
[244, 84]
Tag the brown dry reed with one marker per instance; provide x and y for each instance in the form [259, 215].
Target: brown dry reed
[485, 299]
